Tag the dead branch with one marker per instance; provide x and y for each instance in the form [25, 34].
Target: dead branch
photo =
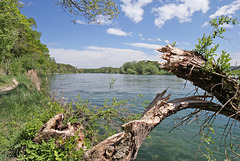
[125, 145]
[185, 64]
[189, 66]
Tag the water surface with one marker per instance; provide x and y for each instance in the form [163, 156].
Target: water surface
[164, 146]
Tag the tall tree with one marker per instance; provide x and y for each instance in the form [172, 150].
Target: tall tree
[10, 19]
[20, 48]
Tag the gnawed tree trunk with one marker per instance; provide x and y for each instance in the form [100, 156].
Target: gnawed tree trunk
[53, 128]
[184, 64]
[187, 65]
[125, 145]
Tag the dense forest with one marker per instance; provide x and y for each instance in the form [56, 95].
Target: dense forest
[145, 67]
[21, 48]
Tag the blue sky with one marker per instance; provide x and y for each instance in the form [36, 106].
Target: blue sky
[141, 27]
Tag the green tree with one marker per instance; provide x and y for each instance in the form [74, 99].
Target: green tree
[131, 71]
[127, 65]
[150, 70]
[10, 21]
[20, 47]
[139, 66]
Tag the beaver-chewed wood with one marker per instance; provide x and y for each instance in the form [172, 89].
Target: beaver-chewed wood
[125, 145]
[189, 66]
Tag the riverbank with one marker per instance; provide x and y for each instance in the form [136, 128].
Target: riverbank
[16, 106]
[23, 110]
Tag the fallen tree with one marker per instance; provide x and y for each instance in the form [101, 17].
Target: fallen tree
[189, 66]
[194, 66]
[185, 64]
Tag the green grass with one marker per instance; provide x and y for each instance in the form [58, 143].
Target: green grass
[16, 109]
[5, 81]
[24, 110]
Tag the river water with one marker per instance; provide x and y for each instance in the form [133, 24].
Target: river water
[164, 146]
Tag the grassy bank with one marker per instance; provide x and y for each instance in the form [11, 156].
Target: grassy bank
[24, 110]
[22, 114]
[16, 108]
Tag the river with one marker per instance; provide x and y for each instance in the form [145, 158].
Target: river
[162, 145]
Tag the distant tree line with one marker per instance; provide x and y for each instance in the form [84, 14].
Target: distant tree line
[100, 70]
[66, 68]
[145, 67]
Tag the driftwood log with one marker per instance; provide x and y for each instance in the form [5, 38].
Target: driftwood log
[184, 64]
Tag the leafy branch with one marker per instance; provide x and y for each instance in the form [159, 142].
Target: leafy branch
[208, 49]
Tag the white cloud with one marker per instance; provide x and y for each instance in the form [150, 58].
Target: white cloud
[21, 2]
[226, 26]
[154, 39]
[227, 9]
[99, 20]
[28, 4]
[95, 57]
[133, 9]
[182, 11]
[144, 45]
[205, 24]
[141, 37]
[167, 41]
[118, 32]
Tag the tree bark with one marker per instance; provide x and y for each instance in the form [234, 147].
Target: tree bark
[125, 145]
[53, 128]
[189, 66]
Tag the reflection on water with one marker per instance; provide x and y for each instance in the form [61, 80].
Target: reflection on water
[164, 146]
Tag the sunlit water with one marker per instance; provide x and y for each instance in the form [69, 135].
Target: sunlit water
[164, 146]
